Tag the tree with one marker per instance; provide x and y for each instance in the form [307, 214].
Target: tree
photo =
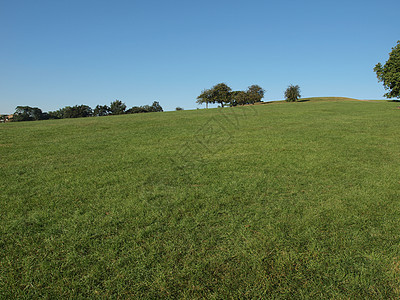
[58, 114]
[136, 110]
[156, 107]
[221, 93]
[238, 98]
[205, 97]
[117, 107]
[77, 111]
[255, 93]
[101, 110]
[45, 116]
[83, 111]
[389, 74]
[292, 93]
[27, 113]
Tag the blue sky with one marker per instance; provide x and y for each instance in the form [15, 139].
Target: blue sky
[67, 52]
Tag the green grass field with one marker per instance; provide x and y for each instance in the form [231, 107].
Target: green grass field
[282, 200]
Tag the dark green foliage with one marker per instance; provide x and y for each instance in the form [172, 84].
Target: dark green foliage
[389, 74]
[27, 113]
[221, 93]
[238, 98]
[58, 114]
[77, 111]
[45, 116]
[292, 93]
[146, 108]
[117, 107]
[205, 97]
[101, 110]
[136, 110]
[255, 93]
[155, 107]
[178, 108]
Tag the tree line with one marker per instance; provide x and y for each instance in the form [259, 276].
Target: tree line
[223, 95]
[117, 107]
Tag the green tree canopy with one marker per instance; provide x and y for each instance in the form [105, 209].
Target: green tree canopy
[156, 107]
[239, 98]
[27, 113]
[221, 93]
[254, 94]
[117, 107]
[292, 93]
[136, 110]
[389, 73]
[101, 110]
[77, 111]
[205, 97]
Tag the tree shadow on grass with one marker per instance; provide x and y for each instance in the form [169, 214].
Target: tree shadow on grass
[394, 101]
[303, 100]
[265, 102]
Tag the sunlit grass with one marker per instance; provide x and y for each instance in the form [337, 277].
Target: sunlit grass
[278, 200]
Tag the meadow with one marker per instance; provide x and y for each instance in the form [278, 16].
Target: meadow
[281, 200]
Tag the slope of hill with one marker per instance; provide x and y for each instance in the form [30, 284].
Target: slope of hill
[269, 201]
[315, 99]
[330, 99]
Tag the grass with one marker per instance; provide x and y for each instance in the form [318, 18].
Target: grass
[271, 201]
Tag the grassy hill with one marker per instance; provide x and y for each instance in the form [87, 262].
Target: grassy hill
[317, 99]
[283, 200]
[329, 99]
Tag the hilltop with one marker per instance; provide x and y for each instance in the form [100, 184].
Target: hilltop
[316, 99]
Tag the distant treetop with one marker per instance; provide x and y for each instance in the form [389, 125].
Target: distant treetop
[117, 107]
[292, 93]
[222, 94]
